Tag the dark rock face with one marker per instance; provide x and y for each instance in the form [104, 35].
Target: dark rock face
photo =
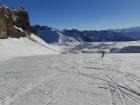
[12, 22]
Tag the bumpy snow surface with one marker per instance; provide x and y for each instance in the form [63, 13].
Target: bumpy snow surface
[71, 79]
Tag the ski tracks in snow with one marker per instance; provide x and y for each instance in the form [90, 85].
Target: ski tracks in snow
[125, 92]
[23, 91]
[116, 77]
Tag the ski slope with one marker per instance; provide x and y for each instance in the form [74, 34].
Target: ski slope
[25, 46]
[71, 79]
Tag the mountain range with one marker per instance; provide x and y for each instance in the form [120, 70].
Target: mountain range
[51, 35]
[133, 32]
[16, 30]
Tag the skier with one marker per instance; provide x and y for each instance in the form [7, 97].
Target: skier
[103, 54]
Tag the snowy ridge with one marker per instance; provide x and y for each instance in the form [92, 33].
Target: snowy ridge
[75, 41]
[25, 46]
[133, 32]
[51, 35]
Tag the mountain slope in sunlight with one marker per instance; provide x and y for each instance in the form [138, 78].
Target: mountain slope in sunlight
[25, 46]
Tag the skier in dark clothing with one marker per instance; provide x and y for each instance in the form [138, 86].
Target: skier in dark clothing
[103, 54]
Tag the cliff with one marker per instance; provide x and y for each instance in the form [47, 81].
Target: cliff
[13, 22]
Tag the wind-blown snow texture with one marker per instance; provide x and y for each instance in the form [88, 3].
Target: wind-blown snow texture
[71, 80]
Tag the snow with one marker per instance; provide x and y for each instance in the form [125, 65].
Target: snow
[51, 35]
[71, 79]
[20, 29]
[33, 72]
[96, 47]
[25, 46]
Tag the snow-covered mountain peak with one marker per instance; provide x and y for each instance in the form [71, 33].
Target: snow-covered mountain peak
[51, 35]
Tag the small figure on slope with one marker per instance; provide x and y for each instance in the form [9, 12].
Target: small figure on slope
[103, 54]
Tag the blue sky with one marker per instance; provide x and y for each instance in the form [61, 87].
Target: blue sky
[81, 14]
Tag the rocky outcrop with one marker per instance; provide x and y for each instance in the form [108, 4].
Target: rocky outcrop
[13, 22]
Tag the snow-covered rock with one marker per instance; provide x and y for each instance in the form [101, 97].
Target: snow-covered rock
[96, 36]
[11, 20]
[51, 35]
[133, 32]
